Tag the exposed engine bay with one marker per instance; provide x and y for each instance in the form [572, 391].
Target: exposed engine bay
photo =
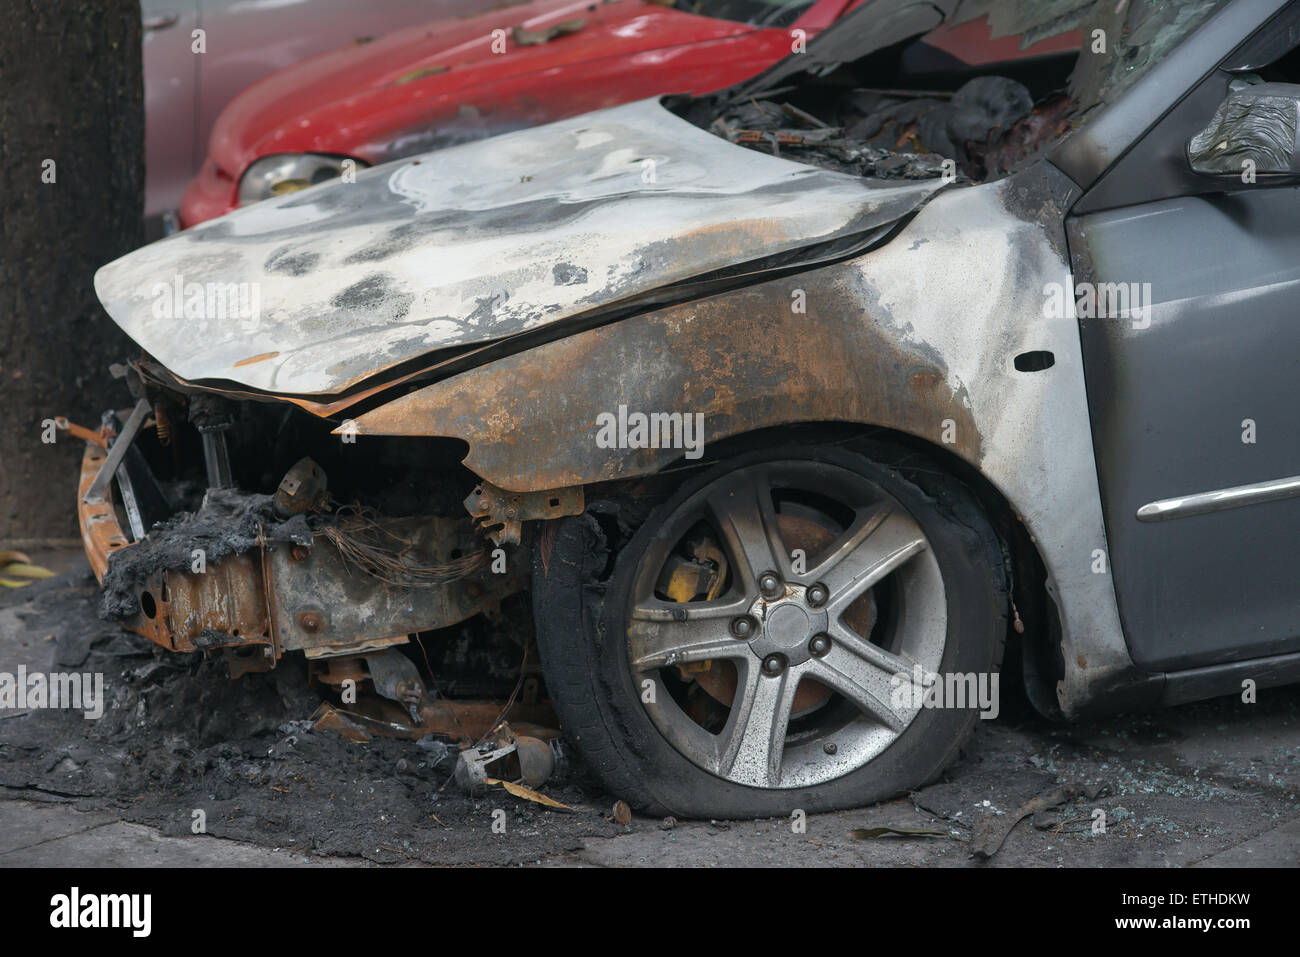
[901, 111]
[978, 131]
[344, 554]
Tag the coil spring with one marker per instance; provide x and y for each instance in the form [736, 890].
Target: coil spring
[162, 424]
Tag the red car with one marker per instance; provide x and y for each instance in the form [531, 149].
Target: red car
[462, 79]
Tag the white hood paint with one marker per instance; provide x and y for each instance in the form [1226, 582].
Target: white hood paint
[476, 242]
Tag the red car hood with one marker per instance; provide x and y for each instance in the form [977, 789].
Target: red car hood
[299, 109]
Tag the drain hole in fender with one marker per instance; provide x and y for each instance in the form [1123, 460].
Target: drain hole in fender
[1034, 361]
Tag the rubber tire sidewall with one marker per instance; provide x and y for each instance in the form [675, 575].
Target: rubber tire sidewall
[598, 701]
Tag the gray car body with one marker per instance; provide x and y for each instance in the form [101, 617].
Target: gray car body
[962, 283]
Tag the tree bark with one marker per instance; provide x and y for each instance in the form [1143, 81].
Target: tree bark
[71, 92]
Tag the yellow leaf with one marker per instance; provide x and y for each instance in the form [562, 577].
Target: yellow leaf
[26, 570]
[528, 794]
[10, 583]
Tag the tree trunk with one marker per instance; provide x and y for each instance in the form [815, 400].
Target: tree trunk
[71, 199]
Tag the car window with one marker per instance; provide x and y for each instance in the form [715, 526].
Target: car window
[758, 13]
[1117, 42]
[1140, 35]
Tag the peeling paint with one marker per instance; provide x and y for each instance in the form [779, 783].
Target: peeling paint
[462, 246]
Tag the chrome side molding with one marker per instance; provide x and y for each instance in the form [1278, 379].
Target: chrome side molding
[1199, 503]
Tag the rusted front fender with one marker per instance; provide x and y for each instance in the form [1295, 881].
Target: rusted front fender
[804, 348]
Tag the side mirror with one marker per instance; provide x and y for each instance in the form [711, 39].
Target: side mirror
[1253, 132]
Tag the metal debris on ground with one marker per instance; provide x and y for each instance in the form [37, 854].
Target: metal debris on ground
[329, 718]
[622, 813]
[518, 763]
[995, 830]
[914, 795]
[868, 833]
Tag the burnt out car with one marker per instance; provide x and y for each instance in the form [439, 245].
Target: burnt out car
[788, 409]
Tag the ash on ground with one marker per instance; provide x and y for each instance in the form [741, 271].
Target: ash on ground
[178, 736]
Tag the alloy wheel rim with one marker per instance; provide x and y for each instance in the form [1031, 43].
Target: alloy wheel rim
[782, 625]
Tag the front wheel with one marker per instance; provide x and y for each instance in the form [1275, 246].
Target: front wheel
[770, 637]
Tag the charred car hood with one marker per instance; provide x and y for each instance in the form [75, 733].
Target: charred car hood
[313, 292]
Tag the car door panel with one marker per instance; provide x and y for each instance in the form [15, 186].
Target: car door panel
[1199, 396]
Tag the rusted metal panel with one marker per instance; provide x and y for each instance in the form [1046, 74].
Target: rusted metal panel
[745, 359]
[100, 531]
[319, 603]
[225, 605]
[474, 243]
[460, 720]
[326, 605]
[291, 597]
[500, 515]
[178, 610]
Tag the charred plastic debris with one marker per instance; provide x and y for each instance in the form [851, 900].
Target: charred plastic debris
[903, 108]
[980, 131]
[884, 134]
[204, 540]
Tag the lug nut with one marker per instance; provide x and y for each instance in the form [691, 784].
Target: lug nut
[819, 645]
[743, 627]
[830, 747]
[769, 583]
[817, 595]
[773, 665]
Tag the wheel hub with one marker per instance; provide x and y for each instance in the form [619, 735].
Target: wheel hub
[786, 626]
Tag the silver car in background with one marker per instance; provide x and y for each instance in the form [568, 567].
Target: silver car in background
[243, 41]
